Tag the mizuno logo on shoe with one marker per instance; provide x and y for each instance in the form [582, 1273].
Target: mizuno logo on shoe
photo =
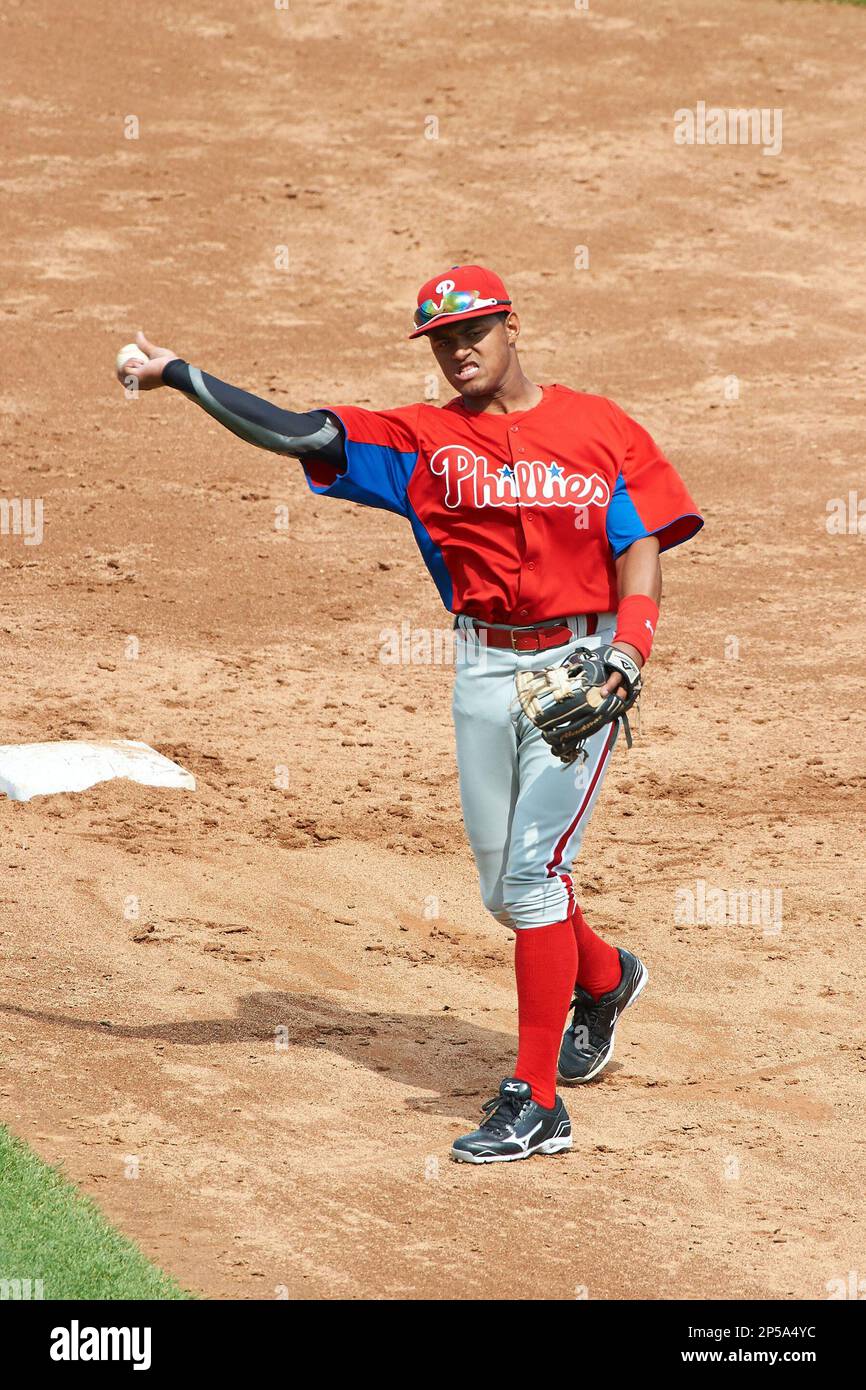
[524, 1142]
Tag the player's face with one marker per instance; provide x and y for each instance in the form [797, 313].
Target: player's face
[475, 355]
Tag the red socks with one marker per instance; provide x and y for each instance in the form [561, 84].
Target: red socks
[545, 962]
[599, 968]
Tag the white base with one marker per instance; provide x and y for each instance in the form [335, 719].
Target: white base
[41, 769]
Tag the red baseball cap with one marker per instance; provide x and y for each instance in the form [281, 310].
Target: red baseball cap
[463, 292]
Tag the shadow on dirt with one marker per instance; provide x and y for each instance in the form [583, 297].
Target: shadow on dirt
[456, 1060]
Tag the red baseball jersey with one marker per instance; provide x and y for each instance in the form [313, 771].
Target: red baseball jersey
[518, 517]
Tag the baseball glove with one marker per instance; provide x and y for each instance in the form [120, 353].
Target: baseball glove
[567, 703]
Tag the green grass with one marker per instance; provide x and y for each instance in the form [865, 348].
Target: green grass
[50, 1232]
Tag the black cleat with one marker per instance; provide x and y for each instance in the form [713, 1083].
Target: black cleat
[515, 1127]
[587, 1045]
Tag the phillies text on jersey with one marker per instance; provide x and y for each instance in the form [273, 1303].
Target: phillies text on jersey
[518, 517]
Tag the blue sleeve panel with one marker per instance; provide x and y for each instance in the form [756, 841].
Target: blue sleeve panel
[433, 558]
[624, 525]
[375, 475]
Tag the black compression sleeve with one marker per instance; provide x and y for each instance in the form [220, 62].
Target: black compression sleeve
[258, 421]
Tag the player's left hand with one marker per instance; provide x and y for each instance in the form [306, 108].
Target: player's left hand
[613, 684]
[570, 702]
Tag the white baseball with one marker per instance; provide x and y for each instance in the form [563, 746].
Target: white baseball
[132, 352]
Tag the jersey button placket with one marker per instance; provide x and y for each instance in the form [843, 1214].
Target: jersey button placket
[526, 514]
[514, 451]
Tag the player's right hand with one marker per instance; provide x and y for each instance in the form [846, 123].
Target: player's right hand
[148, 374]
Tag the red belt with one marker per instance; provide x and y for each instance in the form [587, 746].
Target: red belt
[532, 639]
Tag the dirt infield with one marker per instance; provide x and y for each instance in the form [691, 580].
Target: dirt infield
[281, 995]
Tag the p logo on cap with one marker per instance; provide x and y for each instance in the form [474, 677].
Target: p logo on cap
[466, 292]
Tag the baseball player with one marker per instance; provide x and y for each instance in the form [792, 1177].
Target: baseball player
[540, 513]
